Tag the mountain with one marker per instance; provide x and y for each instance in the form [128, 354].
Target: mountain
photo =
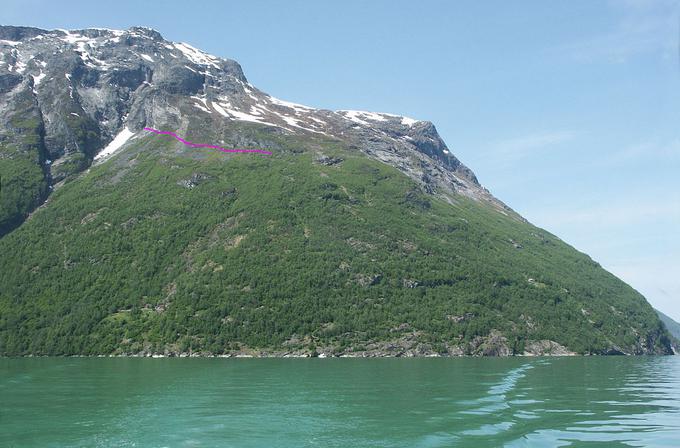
[672, 326]
[361, 234]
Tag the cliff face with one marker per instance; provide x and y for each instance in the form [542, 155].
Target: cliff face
[361, 233]
[75, 91]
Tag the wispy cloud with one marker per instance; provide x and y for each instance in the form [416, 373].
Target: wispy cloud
[654, 153]
[608, 215]
[652, 150]
[657, 279]
[643, 27]
[516, 148]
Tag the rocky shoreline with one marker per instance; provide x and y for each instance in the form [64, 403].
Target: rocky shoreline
[407, 346]
[373, 350]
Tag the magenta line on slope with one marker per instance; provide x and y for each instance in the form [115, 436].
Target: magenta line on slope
[202, 145]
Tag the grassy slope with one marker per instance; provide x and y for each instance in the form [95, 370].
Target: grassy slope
[265, 248]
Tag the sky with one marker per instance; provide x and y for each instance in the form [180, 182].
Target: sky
[569, 112]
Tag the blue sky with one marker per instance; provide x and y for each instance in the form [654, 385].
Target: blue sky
[567, 111]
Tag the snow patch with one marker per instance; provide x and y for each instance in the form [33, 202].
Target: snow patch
[83, 45]
[373, 116]
[110, 31]
[201, 99]
[298, 108]
[38, 79]
[12, 43]
[73, 38]
[293, 122]
[354, 116]
[147, 57]
[70, 87]
[321, 122]
[248, 90]
[20, 66]
[115, 144]
[219, 110]
[360, 116]
[242, 116]
[196, 56]
[204, 109]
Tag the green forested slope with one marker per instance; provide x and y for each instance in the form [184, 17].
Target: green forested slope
[161, 250]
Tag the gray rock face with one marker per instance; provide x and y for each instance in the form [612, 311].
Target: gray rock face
[87, 86]
[15, 33]
[546, 348]
[8, 81]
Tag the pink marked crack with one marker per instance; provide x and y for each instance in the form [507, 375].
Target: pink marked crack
[202, 145]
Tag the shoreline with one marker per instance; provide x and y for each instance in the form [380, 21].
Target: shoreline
[491, 347]
[324, 356]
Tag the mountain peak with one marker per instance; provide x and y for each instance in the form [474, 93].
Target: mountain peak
[149, 32]
[17, 33]
[110, 81]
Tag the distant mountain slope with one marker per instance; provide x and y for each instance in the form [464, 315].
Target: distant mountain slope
[361, 235]
[672, 326]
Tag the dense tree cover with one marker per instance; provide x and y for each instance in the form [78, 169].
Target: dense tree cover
[178, 249]
[22, 187]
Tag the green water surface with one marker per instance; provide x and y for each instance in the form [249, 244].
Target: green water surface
[118, 402]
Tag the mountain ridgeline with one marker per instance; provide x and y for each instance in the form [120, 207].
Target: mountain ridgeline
[673, 328]
[361, 235]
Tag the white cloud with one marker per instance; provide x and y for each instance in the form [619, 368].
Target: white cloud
[643, 27]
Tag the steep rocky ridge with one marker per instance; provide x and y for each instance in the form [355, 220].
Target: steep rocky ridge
[84, 87]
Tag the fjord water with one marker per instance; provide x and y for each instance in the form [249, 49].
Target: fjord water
[119, 402]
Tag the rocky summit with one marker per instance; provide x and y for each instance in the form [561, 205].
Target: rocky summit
[360, 235]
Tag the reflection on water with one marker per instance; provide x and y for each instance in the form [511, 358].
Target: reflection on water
[621, 401]
[616, 401]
